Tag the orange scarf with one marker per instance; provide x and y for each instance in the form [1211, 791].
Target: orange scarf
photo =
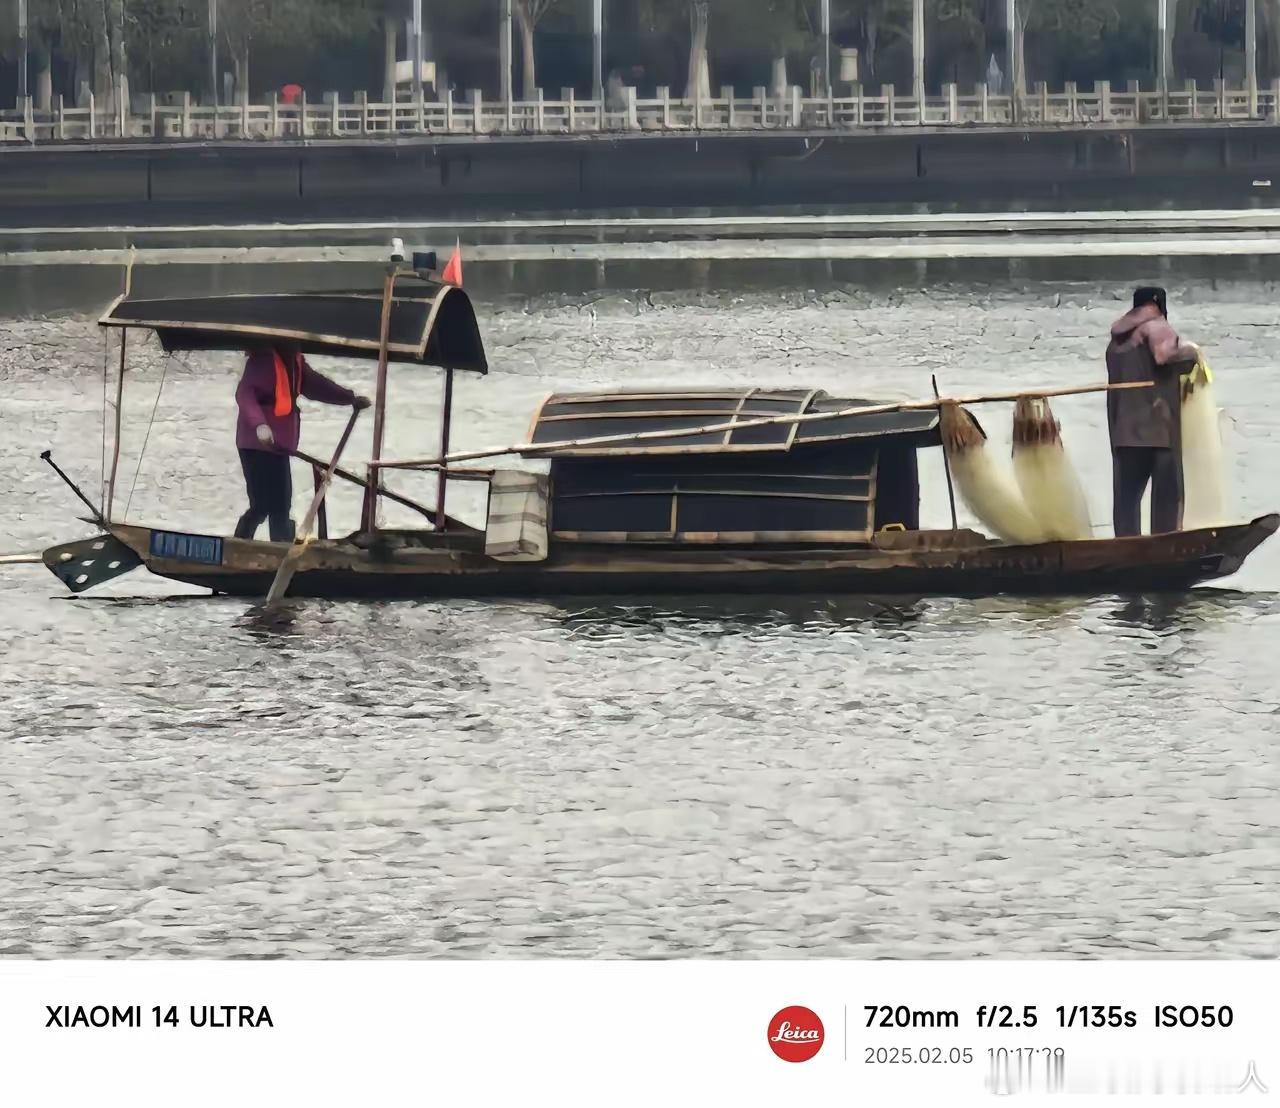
[284, 386]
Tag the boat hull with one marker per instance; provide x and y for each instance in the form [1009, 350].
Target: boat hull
[1158, 563]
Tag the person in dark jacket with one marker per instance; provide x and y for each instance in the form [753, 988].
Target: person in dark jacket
[268, 428]
[1146, 424]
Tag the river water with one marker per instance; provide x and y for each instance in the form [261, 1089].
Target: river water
[753, 777]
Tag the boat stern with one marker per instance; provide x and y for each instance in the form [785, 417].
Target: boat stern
[82, 565]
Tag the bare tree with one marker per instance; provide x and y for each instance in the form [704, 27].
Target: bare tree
[699, 29]
[528, 14]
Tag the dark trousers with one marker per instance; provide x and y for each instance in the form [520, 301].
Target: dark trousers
[269, 483]
[1132, 468]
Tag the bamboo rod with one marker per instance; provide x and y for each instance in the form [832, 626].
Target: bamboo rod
[764, 421]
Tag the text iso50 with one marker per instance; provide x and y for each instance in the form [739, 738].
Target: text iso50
[1188, 1015]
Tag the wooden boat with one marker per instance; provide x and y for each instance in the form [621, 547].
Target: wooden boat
[647, 492]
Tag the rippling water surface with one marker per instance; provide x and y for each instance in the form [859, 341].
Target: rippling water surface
[739, 777]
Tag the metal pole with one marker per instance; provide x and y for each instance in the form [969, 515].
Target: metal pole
[1011, 48]
[1251, 53]
[826, 47]
[23, 91]
[1162, 50]
[213, 60]
[917, 54]
[597, 49]
[416, 52]
[98, 517]
[504, 55]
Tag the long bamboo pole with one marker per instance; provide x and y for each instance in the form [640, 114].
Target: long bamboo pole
[744, 424]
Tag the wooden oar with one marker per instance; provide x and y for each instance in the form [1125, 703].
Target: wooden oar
[743, 424]
[289, 563]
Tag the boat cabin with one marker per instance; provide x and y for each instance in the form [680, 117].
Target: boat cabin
[836, 481]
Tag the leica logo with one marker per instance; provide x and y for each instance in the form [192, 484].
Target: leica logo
[795, 1034]
[788, 1034]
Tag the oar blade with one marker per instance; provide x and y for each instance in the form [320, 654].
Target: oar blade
[284, 576]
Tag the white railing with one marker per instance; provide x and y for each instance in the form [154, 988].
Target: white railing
[762, 111]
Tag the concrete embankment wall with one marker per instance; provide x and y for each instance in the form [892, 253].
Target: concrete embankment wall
[149, 181]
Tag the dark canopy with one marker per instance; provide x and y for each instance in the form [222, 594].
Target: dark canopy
[566, 418]
[431, 324]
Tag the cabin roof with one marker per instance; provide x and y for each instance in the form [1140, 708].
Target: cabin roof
[572, 417]
[431, 324]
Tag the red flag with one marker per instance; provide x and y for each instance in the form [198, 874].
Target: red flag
[453, 271]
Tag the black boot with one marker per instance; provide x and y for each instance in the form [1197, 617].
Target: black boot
[248, 524]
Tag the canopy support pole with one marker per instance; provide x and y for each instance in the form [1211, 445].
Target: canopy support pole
[446, 419]
[115, 445]
[370, 521]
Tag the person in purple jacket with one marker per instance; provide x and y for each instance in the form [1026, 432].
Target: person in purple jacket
[1146, 424]
[267, 431]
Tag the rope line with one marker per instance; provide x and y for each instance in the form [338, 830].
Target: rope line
[146, 438]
